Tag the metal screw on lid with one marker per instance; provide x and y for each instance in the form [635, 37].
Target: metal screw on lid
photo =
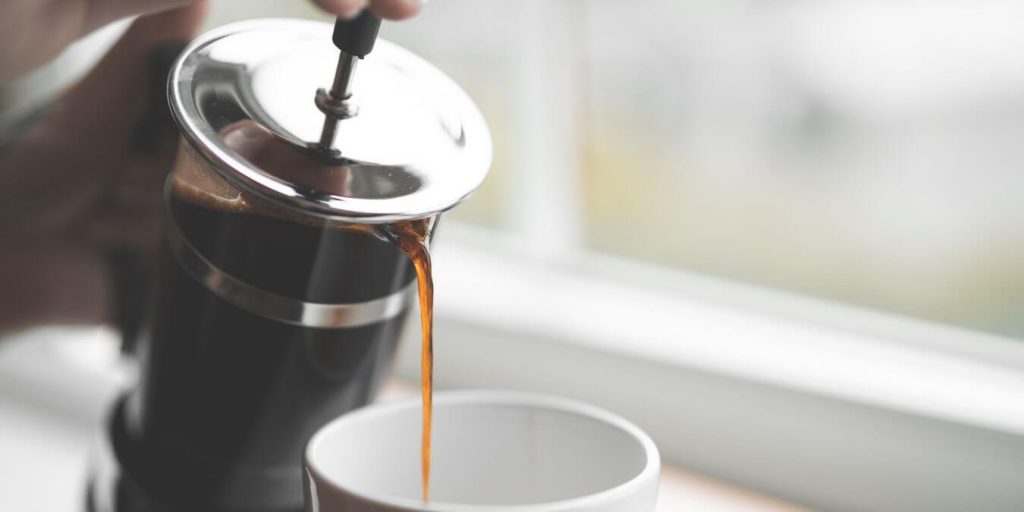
[250, 97]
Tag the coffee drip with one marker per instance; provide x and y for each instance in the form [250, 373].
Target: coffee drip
[411, 237]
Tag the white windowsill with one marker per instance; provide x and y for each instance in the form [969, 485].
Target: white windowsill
[799, 398]
[55, 385]
[732, 329]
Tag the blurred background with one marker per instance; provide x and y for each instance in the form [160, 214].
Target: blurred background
[858, 160]
[863, 152]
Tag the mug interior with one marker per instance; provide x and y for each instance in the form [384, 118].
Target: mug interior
[489, 448]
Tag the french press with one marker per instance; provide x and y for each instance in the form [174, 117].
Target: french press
[278, 304]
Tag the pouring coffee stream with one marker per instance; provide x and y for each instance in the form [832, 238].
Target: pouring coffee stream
[411, 238]
[355, 39]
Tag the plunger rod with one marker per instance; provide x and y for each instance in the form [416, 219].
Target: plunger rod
[335, 104]
[355, 38]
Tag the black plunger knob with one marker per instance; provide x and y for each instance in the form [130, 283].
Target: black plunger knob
[357, 35]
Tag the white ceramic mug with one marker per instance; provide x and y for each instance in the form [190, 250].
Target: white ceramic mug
[492, 451]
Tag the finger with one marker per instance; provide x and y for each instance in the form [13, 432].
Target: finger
[396, 9]
[389, 9]
[101, 12]
[35, 31]
[118, 228]
[52, 284]
[109, 101]
[138, 190]
[343, 8]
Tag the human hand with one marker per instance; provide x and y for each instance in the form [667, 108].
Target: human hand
[86, 181]
[34, 31]
[77, 188]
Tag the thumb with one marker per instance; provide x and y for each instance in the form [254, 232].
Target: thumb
[110, 100]
[101, 12]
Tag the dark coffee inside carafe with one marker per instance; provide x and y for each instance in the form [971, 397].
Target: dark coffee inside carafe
[229, 388]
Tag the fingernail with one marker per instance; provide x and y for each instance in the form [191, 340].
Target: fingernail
[353, 9]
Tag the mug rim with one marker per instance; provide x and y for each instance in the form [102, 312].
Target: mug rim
[492, 397]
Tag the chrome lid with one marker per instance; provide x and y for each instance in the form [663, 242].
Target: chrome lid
[244, 96]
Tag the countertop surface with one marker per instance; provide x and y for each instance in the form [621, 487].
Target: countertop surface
[52, 397]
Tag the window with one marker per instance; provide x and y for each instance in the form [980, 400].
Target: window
[857, 152]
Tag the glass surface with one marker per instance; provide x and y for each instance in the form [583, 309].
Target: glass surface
[233, 384]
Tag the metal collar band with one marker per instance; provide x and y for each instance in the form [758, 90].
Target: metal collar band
[278, 307]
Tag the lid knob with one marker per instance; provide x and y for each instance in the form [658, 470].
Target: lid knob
[357, 35]
[355, 39]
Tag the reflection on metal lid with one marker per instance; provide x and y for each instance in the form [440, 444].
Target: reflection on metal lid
[244, 96]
